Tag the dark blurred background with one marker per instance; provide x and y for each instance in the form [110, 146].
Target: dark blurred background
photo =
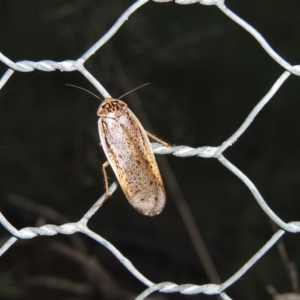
[206, 75]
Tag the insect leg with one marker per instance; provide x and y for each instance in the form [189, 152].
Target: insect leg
[106, 164]
[152, 136]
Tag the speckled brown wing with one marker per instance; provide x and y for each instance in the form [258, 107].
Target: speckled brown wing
[129, 152]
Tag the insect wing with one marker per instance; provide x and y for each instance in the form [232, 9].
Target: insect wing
[129, 152]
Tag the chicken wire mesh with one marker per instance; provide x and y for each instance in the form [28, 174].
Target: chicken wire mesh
[252, 111]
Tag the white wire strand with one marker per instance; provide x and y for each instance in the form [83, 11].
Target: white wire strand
[180, 151]
[124, 17]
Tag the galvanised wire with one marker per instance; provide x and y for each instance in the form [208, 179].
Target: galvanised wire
[180, 151]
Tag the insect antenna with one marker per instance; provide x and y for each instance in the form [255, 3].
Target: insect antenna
[80, 88]
[135, 89]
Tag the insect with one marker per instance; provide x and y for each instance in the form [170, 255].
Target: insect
[128, 150]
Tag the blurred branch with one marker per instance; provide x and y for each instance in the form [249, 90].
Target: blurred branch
[289, 265]
[100, 277]
[93, 269]
[169, 177]
[63, 284]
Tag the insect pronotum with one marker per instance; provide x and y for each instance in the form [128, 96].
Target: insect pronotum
[128, 150]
